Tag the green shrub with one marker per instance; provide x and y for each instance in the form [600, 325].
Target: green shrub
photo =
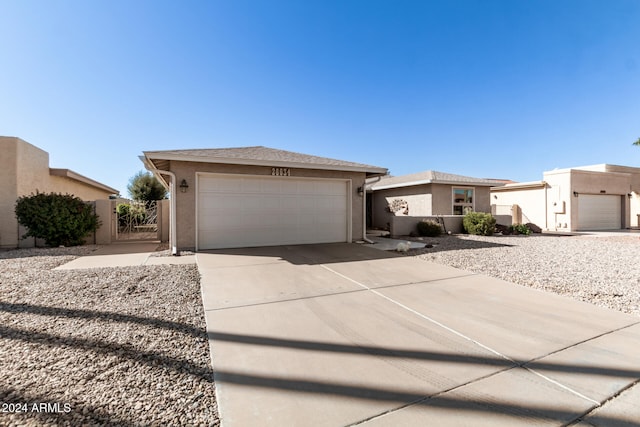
[429, 228]
[131, 213]
[479, 223]
[58, 219]
[520, 229]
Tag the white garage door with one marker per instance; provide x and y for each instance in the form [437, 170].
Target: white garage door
[237, 211]
[599, 212]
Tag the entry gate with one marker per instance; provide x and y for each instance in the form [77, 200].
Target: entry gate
[137, 220]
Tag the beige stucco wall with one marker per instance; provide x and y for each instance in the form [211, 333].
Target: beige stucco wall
[8, 192]
[531, 202]
[32, 170]
[24, 170]
[60, 184]
[186, 202]
[559, 200]
[418, 197]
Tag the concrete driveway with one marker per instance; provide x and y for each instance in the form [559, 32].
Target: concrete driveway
[344, 334]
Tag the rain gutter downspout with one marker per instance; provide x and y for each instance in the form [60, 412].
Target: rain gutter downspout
[364, 209]
[172, 212]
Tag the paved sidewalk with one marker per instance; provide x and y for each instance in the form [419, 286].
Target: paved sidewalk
[125, 255]
[339, 334]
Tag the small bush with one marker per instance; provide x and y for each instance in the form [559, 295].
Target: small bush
[479, 223]
[130, 213]
[56, 218]
[429, 228]
[520, 229]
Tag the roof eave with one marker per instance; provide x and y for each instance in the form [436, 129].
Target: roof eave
[399, 185]
[68, 173]
[151, 167]
[371, 171]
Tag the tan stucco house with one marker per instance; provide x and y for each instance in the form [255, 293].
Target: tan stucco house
[260, 196]
[425, 194]
[598, 197]
[24, 169]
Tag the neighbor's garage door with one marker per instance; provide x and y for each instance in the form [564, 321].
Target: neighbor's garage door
[599, 212]
[242, 211]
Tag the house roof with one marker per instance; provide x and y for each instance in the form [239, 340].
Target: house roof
[431, 177]
[260, 156]
[66, 173]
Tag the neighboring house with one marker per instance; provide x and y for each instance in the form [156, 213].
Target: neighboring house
[428, 193]
[599, 197]
[24, 169]
[259, 196]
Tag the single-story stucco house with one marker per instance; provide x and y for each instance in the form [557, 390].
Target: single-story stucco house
[425, 194]
[598, 197]
[260, 196]
[24, 169]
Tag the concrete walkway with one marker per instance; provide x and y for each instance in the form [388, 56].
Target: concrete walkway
[124, 255]
[339, 334]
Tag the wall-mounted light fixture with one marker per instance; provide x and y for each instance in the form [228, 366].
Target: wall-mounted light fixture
[629, 195]
[184, 186]
[575, 194]
[360, 191]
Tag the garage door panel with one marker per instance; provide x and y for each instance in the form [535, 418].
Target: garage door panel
[599, 212]
[224, 185]
[261, 211]
[287, 187]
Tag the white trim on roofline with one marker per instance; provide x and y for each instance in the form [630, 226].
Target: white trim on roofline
[520, 186]
[430, 181]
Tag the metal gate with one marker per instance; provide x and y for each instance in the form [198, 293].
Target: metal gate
[137, 220]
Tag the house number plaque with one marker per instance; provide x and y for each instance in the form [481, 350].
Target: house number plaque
[280, 172]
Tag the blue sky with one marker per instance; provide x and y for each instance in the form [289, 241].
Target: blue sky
[486, 88]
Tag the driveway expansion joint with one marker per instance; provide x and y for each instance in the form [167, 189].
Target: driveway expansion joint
[435, 395]
[287, 300]
[607, 400]
[579, 343]
[420, 282]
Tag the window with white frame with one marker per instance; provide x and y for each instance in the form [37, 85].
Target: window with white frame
[463, 200]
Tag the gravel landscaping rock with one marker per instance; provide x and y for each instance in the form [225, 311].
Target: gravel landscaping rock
[601, 270]
[109, 346]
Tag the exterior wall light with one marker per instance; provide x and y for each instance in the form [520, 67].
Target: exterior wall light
[184, 186]
[360, 191]
[575, 194]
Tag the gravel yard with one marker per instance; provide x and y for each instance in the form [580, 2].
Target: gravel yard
[602, 270]
[111, 346]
